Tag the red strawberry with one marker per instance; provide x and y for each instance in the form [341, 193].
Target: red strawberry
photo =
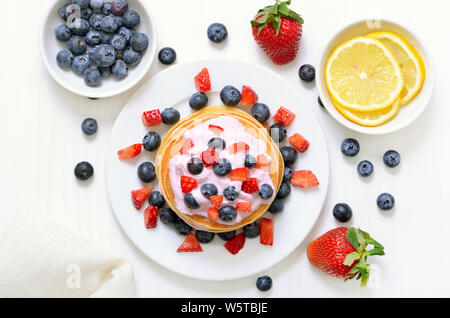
[130, 152]
[304, 179]
[284, 116]
[248, 96]
[188, 144]
[238, 147]
[216, 129]
[216, 200]
[239, 174]
[278, 31]
[151, 217]
[188, 184]
[299, 142]
[213, 214]
[202, 81]
[139, 196]
[235, 244]
[190, 244]
[209, 157]
[152, 118]
[244, 207]
[262, 161]
[250, 186]
[266, 231]
[342, 253]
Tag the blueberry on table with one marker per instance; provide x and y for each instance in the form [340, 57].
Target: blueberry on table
[227, 213]
[222, 168]
[287, 175]
[217, 143]
[230, 193]
[385, 201]
[277, 206]
[146, 172]
[152, 141]
[89, 126]
[350, 147]
[77, 45]
[265, 191]
[226, 236]
[119, 7]
[96, 4]
[261, 112]
[391, 158]
[131, 18]
[167, 56]
[365, 168]
[120, 69]
[251, 230]
[285, 190]
[182, 227]
[83, 171]
[249, 161]
[204, 237]
[217, 32]
[118, 42]
[208, 190]
[83, 4]
[167, 216]
[264, 283]
[139, 42]
[170, 116]
[156, 199]
[195, 166]
[131, 57]
[64, 58]
[289, 155]
[62, 32]
[307, 73]
[92, 77]
[190, 201]
[342, 212]
[93, 38]
[80, 64]
[109, 24]
[95, 21]
[198, 101]
[230, 95]
[278, 132]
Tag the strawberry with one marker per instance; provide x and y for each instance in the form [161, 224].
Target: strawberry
[299, 142]
[250, 186]
[244, 207]
[342, 253]
[304, 179]
[151, 217]
[262, 161]
[188, 184]
[284, 116]
[188, 144]
[213, 214]
[266, 231]
[139, 196]
[216, 129]
[278, 31]
[190, 244]
[130, 152]
[209, 157]
[152, 118]
[248, 96]
[216, 200]
[238, 147]
[202, 81]
[235, 244]
[239, 174]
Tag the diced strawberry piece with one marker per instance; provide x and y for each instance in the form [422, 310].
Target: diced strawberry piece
[248, 96]
[250, 186]
[216, 200]
[244, 207]
[216, 129]
[213, 214]
[262, 161]
[130, 152]
[235, 244]
[188, 184]
[190, 244]
[284, 116]
[151, 217]
[202, 81]
[304, 179]
[266, 231]
[188, 144]
[238, 147]
[139, 196]
[152, 118]
[209, 157]
[299, 142]
[239, 174]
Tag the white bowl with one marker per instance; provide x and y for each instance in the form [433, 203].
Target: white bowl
[111, 86]
[408, 113]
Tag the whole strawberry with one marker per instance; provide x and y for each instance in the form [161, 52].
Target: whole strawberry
[342, 253]
[278, 30]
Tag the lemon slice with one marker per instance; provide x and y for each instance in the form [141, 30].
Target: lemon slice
[410, 62]
[363, 75]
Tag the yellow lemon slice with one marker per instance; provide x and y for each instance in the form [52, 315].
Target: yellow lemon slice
[363, 75]
[410, 62]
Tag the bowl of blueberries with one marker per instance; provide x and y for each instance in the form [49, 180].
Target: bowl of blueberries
[98, 48]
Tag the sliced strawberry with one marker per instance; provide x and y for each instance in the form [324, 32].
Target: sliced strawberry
[202, 81]
[239, 174]
[235, 244]
[250, 186]
[244, 207]
[130, 152]
[262, 161]
[209, 157]
[188, 144]
[152, 118]
[216, 200]
[284, 116]
[299, 142]
[238, 147]
[139, 196]
[213, 214]
[248, 96]
[304, 179]
[188, 184]
[190, 244]
[151, 217]
[266, 231]
[216, 129]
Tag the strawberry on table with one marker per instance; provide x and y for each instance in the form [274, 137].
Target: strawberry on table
[130, 152]
[238, 147]
[250, 186]
[202, 81]
[209, 157]
[248, 96]
[188, 184]
[190, 244]
[244, 207]
[151, 217]
[284, 116]
[152, 118]
[216, 200]
[213, 214]
[266, 231]
[139, 196]
[235, 244]
[216, 129]
[299, 142]
[304, 179]
[188, 144]
[239, 174]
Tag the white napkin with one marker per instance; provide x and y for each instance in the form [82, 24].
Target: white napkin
[39, 258]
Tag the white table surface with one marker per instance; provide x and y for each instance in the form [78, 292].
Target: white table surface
[41, 142]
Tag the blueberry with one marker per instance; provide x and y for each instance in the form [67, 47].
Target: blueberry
[81, 27]
[83, 171]
[285, 190]
[93, 38]
[230, 193]
[195, 166]
[106, 37]
[152, 141]
[93, 55]
[287, 175]
[251, 230]
[182, 227]
[265, 191]
[261, 112]
[204, 237]
[167, 56]
[77, 45]
[126, 33]
[167, 216]
[277, 206]
[208, 190]
[109, 24]
[131, 18]
[146, 172]
[217, 32]
[92, 77]
[118, 42]
[342, 212]
[170, 116]
[198, 101]
[217, 143]
[89, 126]
[365, 168]
[190, 201]
[106, 55]
[156, 199]
[264, 283]
[227, 213]
[120, 69]
[131, 57]
[391, 158]
[249, 161]
[278, 132]
[320, 102]
[226, 236]
[96, 4]
[350, 147]
[119, 21]
[62, 32]
[106, 10]
[80, 64]
[86, 13]
[222, 168]
[119, 7]
[385, 201]
[64, 58]
[230, 95]
[63, 12]
[307, 73]
[139, 42]
[95, 21]
[289, 155]
[105, 71]
[83, 4]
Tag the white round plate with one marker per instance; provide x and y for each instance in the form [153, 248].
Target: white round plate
[172, 88]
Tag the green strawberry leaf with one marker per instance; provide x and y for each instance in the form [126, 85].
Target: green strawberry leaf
[283, 9]
[375, 251]
[350, 258]
[352, 238]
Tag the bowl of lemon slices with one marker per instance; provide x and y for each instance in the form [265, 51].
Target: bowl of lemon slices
[375, 77]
